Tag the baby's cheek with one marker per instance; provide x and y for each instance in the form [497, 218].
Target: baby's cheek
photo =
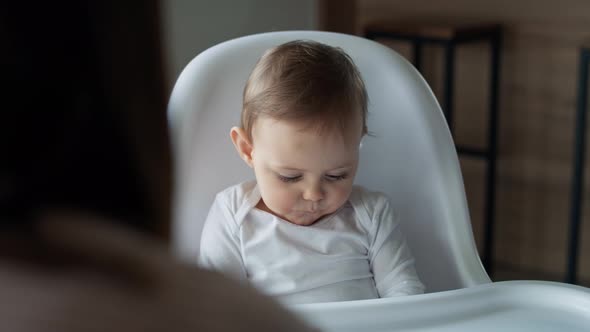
[279, 200]
[342, 194]
[286, 200]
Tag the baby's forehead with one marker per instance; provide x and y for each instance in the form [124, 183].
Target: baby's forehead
[272, 129]
[342, 119]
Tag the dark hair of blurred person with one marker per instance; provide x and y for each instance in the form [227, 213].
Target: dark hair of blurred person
[85, 181]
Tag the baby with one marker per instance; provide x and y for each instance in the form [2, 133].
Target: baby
[302, 232]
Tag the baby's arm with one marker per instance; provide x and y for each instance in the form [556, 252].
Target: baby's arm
[391, 260]
[220, 244]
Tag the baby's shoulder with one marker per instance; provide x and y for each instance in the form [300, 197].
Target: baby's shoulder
[238, 191]
[237, 197]
[370, 206]
[368, 199]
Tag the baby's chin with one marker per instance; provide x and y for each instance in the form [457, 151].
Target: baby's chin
[304, 218]
[296, 217]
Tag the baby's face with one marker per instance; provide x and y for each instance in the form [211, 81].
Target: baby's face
[302, 174]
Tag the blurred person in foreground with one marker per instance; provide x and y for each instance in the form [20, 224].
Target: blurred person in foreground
[85, 182]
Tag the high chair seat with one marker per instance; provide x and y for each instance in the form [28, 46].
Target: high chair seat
[409, 155]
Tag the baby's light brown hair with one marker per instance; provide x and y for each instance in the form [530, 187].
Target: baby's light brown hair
[305, 80]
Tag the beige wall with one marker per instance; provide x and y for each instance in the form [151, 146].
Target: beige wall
[538, 81]
[192, 26]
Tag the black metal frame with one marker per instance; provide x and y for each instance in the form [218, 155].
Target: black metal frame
[494, 36]
[578, 169]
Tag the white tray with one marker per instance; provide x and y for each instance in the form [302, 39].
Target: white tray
[500, 306]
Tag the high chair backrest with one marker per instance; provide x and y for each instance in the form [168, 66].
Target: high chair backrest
[410, 155]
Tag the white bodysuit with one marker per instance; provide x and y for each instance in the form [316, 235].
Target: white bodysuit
[358, 252]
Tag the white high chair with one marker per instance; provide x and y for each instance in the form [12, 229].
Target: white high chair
[411, 155]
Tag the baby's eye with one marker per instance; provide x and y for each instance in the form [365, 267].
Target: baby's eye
[336, 177]
[289, 179]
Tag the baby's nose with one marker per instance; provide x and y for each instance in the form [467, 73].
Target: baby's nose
[313, 193]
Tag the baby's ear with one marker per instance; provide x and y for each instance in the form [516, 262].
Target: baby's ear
[242, 143]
